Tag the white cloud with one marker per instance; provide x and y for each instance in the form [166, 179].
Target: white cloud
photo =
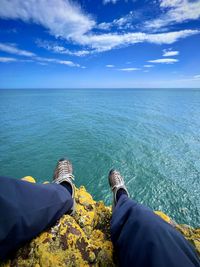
[105, 26]
[66, 62]
[170, 53]
[7, 59]
[170, 3]
[109, 1]
[129, 69]
[197, 77]
[65, 19]
[56, 48]
[57, 61]
[12, 49]
[42, 61]
[104, 42]
[11, 59]
[164, 60]
[110, 66]
[175, 11]
[148, 66]
[121, 23]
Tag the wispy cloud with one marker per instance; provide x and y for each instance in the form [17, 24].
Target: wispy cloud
[7, 59]
[105, 42]
[148, 66]
[122, 23]
[40, 60]
[109, 2]
[175, 11]
[164, 60]
[129, 69]
[57, 61]
[197, 77]
[170, 53]
[12, 49]
[56, 48]
[110, 66]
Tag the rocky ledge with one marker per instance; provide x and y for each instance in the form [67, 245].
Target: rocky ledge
[82, 239]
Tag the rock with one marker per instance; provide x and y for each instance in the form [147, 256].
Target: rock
[29, 179]
[82, 239]
[163, 216]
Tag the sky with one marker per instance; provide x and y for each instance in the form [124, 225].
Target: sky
[100, 44]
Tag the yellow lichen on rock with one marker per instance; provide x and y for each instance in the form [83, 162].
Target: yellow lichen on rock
[29, 179]
[191, 234]
[82, 239]
[78, 240]
[163, 216]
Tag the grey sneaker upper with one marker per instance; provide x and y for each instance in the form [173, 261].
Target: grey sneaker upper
[63, 173]
[63, 170]
[116, 182]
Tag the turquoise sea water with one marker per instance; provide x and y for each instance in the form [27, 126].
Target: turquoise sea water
[151, 136]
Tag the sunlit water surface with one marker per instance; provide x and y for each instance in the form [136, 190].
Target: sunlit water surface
[151, 136]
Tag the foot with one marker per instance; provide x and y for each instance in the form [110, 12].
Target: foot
[63, 175]
[117, 185]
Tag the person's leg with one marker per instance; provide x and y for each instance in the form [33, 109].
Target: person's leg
[143, 239]
[26, 209]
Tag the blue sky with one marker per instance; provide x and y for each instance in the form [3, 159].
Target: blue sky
[100, 44]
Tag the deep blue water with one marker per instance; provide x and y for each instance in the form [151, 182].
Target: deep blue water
[151, 136]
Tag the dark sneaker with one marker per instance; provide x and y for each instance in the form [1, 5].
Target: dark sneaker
[116, 182]
[63, 175]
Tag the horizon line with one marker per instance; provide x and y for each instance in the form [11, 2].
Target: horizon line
[102, 88]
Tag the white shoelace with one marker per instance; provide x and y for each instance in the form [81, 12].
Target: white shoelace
[64, 170]
[117, 180]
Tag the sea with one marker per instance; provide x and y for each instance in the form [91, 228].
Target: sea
[152, 136]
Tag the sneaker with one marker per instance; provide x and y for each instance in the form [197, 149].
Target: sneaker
[116, 182]
[63, 175]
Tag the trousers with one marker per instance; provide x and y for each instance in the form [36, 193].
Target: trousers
[143, 239]
[140, 237]
[26, 209]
